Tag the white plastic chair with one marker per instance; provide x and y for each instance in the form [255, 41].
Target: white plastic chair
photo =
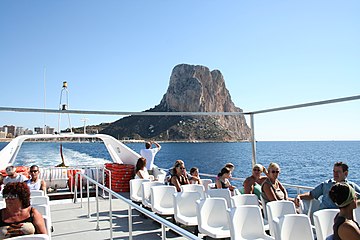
[244, 199]
[220, 193]
[2, 204]
[264, 208]
[32, 237]
[296, 227]
[162, 199]
[246, 222]
[212, 217]
[205, 182]
[135, 189]
[324, 221]
[194, 188]
[35, 193]
[308, 207]
[276, 210]
[185, 207]
[146, 192]
[356, 212]
[46, 213]
[39, 200]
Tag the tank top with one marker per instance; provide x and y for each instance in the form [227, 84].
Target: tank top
[337, 222]
[34, 185]
[24, 227]
[279, 194]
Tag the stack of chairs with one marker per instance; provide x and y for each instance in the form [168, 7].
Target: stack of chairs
[40, 202]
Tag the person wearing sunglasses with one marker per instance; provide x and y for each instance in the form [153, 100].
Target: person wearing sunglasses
[35, 183]
[179, 176]
[340, 173]
[19, 218]
[13, 176]
[252, 184]
[272, 189]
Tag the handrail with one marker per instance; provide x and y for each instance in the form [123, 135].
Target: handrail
[164, 223]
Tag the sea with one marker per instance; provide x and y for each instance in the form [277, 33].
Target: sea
[305, 163]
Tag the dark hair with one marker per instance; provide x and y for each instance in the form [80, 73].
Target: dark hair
[344, 166]
[339, 193]
[193, 169]
[34, 166]
[140, 164]
[21, 189]
[178, 163]
[148, 145]
[223, 171]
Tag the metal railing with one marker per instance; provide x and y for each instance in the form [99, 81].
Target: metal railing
[164, 223]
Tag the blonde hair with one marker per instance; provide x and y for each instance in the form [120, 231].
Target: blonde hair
[273, 165]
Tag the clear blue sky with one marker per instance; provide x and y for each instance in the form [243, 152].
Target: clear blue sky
[118, 55]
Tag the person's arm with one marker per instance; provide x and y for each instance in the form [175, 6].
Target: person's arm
[269, 192]
[176, 183]
[248, 186]
[39, 222]
[43, 186]
[157, 145]
[349, 230]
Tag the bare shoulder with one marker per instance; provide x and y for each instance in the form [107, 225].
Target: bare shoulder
[349, 230]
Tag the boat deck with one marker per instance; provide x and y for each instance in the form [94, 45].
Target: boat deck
[70, 221]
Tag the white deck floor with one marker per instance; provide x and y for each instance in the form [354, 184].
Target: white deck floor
[71, 222]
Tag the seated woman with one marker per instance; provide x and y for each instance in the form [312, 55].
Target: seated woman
[252, 184]
[19, 218]
[223, 180]
[344, 196]
[35, 183]
[140, 170]
[179, 176]
[272, 189]
[195, 178]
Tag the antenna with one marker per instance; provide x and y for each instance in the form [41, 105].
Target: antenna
[84, 120]
[63, 106]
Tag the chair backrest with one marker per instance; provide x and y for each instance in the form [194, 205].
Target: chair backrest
[162, 199]
[324, 221]
[194, 188]
[2, 204]
[244, 199]
[296, 227]
[264, 208]
[276, 210]
[39, 200]
[185, 205]
[146, 192]
[357, 214]
[135, 189]
[205, 182]
[35, 193]
[43, 209]
[211, 212]
[246, 222]
[220, 193]
[309, 206]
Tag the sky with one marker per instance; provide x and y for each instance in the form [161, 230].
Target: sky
[118, 56]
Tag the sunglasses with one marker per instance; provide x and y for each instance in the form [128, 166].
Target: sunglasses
[256, 170]
[10, 196]
[34, 171]
[273, 171]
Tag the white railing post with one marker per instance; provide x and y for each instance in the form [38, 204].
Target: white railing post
[130, 222]
[163, 232]
[81, 188]
[110, 215]
[97, 208]
[253, 142]
[88, 196]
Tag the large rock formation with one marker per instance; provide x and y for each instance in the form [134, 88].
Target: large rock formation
[191, 89]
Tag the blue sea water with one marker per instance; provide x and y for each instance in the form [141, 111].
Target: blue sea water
[302, 163]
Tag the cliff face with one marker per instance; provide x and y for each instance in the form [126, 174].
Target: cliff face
[191, 89]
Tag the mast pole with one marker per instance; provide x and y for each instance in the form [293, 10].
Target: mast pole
[253, 142]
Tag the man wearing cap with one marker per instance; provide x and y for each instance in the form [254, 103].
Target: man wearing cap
[340, 173]
[13, 176]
